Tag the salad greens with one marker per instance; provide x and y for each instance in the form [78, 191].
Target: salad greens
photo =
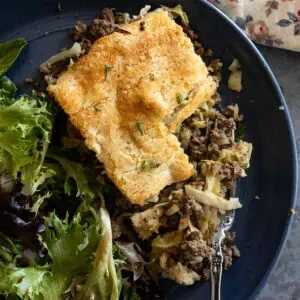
[128, 291]
[7, 91]
[70, 246]
[25, 129]
[68, 182]
[25, 125]
[104, 281]
[78, 246]
[78, 173]
[9, 52]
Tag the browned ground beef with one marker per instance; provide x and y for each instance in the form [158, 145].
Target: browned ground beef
[204, 143]
[106, 23]
[193, 249]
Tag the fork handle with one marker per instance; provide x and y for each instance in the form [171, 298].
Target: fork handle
[216, 272]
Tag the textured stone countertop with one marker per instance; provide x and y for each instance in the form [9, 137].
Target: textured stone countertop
[284, 282]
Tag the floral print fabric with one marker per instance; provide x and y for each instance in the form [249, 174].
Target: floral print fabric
[270, 22]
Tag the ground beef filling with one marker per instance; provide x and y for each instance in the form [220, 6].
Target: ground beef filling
[208, 134]
[203, 136]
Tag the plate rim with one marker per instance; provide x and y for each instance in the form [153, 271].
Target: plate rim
[275, 86]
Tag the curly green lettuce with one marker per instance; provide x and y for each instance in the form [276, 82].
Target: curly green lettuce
[67, 185]
[76, 171]
[9, 52]
[70, 246]
[25, 128]
[128, 291]
[104, 281]
[80, 248]
[7, 92]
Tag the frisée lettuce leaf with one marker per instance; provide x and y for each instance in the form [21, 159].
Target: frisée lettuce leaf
[104, 281]
[70, 246]
[129, 291]
[77, 172]
[9, 52]
[25, 128]
[7, 91]
[66, 185]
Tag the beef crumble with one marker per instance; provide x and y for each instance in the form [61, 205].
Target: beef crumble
[203, 135]
[106, 23]
[207, 132]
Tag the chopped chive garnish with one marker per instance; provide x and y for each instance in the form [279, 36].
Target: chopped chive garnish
[152, 77]
[59, 7]
[141, 100]
[153, 164]
[240, 132]
[179, 98]
[140, 127]
[146, 165]
[106, 70]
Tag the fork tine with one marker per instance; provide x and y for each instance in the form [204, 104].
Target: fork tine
[217, 259]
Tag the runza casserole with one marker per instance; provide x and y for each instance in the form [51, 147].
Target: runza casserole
[128, 95]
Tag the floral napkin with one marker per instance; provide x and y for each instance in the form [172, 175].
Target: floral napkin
[270, 22]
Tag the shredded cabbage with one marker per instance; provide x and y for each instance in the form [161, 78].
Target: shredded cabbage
[74, 51]
[240, 152]
[144, 10]
[210, 199]
[235, 77]
[235, 81]
[177, 11]
[168, 240]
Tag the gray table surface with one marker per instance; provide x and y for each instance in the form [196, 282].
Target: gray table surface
[284, 282]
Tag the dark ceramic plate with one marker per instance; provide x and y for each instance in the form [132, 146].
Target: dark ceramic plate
[261, 225]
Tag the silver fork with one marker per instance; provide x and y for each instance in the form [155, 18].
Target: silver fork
[216, 268]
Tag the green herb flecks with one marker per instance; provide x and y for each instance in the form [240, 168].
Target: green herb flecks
[151, 77]
[59, 7]
[106, 70]
[140, 127]
[9, 52]
[151, 164]
[240, 132]
[179, 98]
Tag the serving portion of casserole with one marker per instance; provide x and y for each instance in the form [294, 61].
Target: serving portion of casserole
[128, 95]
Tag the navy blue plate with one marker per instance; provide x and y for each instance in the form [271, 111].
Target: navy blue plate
[262, 225]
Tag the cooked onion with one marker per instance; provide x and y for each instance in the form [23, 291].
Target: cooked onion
[235, 81]
[235, 65]
[74, 51]
[210, 199]
[168, 240]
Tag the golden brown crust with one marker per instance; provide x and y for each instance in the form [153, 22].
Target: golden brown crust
[147, 71]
